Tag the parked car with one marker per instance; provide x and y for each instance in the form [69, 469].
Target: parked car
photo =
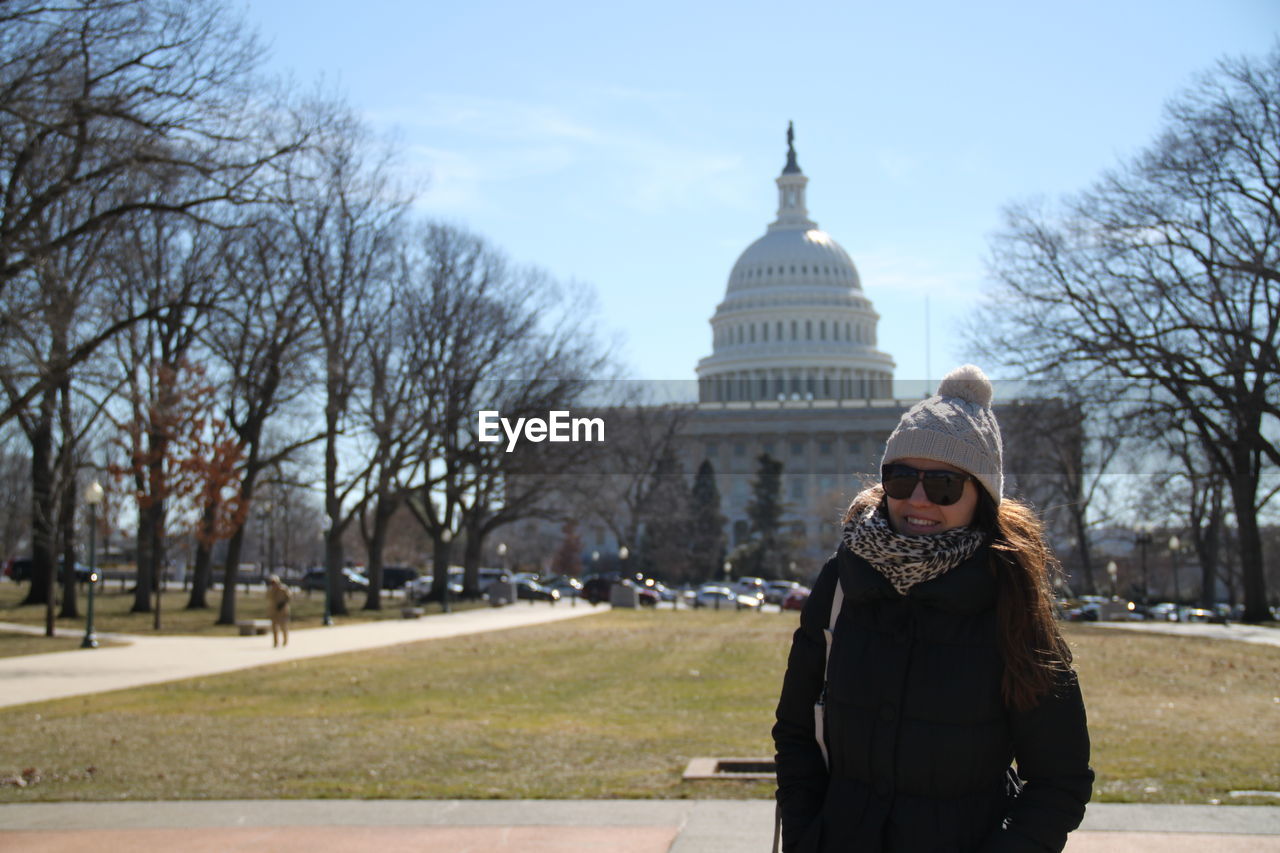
[395, 577]
[19, 569]
[1087, 612]
[567, 587]
[750, 586]
[1201, 614]
[796, 598]
[419, 589]
[648, 589]
[722, 597]
[595, 588]
[528, 590]
[354, 581]
[776, 592]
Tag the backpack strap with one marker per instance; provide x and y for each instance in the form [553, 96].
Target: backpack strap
[837, 600]
[819, 707]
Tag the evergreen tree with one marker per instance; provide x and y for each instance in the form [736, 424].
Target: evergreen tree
[707, 540]
[764, 511]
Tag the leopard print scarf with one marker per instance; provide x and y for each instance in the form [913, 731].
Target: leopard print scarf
[908, 560]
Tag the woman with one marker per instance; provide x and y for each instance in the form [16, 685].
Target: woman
[278, 610]
[945, 665]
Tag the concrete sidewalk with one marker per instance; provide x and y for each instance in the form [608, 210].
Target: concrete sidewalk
[1258, 634]
[551, 826]
[151, 660]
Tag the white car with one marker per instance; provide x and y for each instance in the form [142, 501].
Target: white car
[722, 597]
[776, 592]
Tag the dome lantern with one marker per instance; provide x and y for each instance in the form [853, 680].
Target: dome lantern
[792, 212]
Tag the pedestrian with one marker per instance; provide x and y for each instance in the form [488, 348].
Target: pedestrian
[928, 663]
[278, 610]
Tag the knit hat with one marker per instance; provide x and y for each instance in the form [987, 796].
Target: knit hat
[955, 426]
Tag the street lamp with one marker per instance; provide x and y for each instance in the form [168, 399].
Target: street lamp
[445, 538]
[92, 496]
[623, 553]
[1174, 545]
[327, 621]
[1111, 572]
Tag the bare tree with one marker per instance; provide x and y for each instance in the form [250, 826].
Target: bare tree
[491, 337]
[264, 338]
[48, 312]
[344, 214]
[170, 269]
[1060, 442]
[1166, 274]
[113, 109]
[391, 416]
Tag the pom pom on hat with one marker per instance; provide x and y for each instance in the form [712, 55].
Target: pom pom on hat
[967, 382]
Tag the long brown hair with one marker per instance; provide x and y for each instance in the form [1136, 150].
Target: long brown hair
[1034, 652]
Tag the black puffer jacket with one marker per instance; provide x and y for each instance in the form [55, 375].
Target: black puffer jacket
[920, 742]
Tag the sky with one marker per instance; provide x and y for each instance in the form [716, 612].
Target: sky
[632, 147]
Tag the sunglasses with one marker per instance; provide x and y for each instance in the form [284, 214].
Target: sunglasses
[941, 487]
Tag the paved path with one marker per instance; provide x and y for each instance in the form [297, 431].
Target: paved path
[547, 826]
[1235, 631]
[150, 659]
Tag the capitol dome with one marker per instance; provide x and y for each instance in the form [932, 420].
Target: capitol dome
[794, 323]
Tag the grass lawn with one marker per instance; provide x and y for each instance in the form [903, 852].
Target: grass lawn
[612, 705]
[112, 605]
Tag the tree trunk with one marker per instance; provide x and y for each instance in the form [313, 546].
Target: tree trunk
[471, 559]
[67, 524]
[335, 580]
[231, 570]
[1207, 543]
[382, 513]
[1244, 488]
[200, 576]
[42, 531]
[1082, 549]
[441, 555]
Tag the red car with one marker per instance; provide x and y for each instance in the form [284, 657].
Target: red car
[796, 598]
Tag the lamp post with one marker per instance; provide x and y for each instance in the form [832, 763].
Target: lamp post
[1174, 545]
[93, 497]
[1143, 539]
[445, 538]
[327, 621]
[1111, 573]
[623, 553]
